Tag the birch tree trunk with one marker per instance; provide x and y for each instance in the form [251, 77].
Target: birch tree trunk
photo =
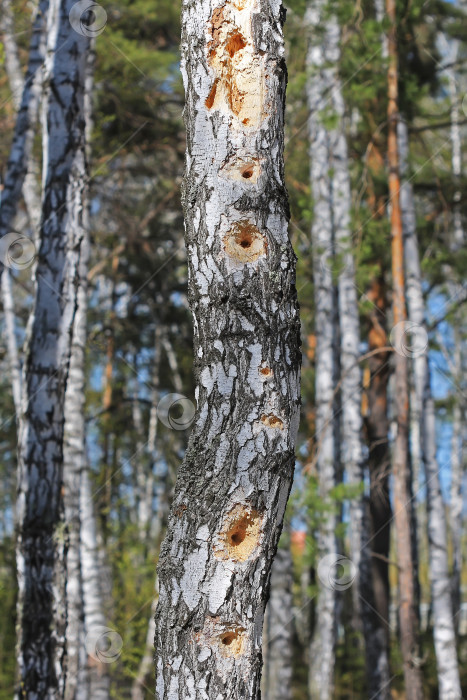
[233, 484]
[42, 537]
[74, 466]
[457, 463]
[457, 472]
[21, 169]
[408, 618]
[443, 623]
[278, 637]
[321, 60]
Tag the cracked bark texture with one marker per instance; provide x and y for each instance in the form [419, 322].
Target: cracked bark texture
[442, 614]
[233, 484]
[42, 537]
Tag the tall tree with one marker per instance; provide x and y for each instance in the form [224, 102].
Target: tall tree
[42, 537]
[403, 517]
[322, 54]
[278, 635]
[443, 623]
[233, 484]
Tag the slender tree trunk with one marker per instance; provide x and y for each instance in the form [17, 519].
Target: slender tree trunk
[21, 173]
[380, 514]
[331, 195]
[457, 472]
[74, 465]
[233, 485]
[443, 624]
[457, 463]
[92, 574]
[12, 345]
[278, 636]
[42, 537]
[22, 169]
[408, 618]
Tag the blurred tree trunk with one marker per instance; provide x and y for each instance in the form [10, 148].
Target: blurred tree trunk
[443, 624]
[22, 170]
[233, 484]
[42, 534]
[380, 515]
[278, 630]
[457, 473]
[156, 520]
[403, 517]
[74, 466]
[321, 86]
[457, 451]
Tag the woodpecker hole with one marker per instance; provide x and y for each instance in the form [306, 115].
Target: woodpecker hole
[232, 642]
[247, 171]
[266, 371]
[272, 421]
[240, 534]
[245, 242]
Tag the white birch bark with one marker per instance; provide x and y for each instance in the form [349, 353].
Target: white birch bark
[233, 485]
[22, 171]
[23, 142]
[98, 678]
[323, 99]
[457, 465]
[93, 677]
[74, 466]
[278, 634]
[443, 624]
[12, 345]
[42, 610]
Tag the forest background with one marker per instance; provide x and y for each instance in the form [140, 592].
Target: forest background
[139, 384]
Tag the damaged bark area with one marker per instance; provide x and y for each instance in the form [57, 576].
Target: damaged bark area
[234, 482]
[239, 69]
